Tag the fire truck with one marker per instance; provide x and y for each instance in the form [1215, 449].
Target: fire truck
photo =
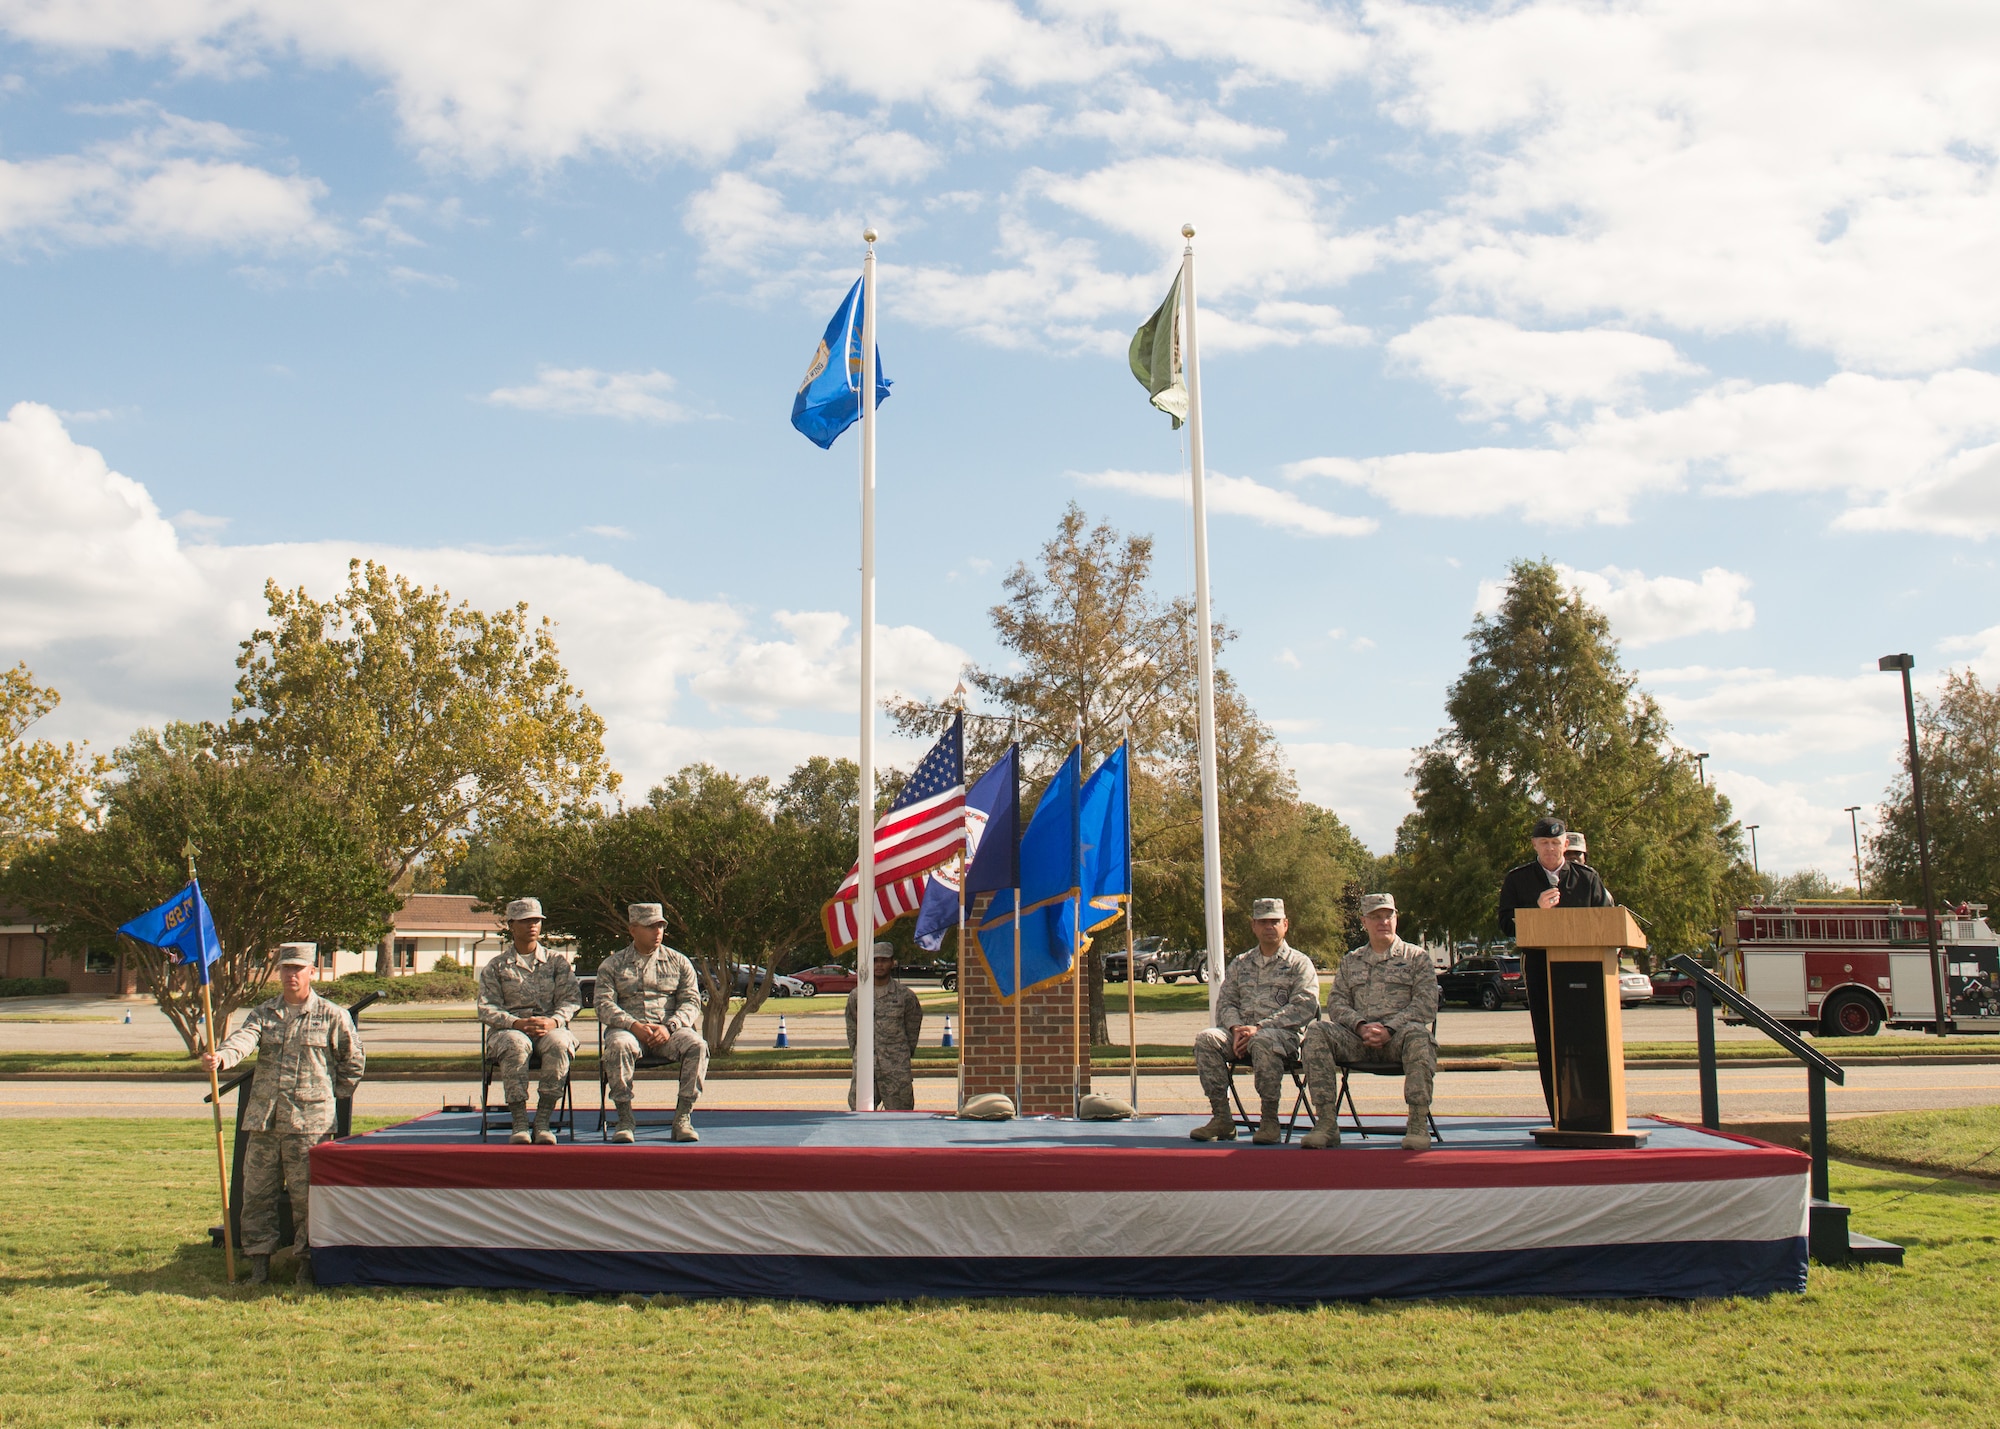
[1843, 968]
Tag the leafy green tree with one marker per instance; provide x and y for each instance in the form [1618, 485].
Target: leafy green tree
[1959, 736]
[739, 867]
[1094, 652]
[278, 861]
[1546, 720]
[428, 720]
[45, 787]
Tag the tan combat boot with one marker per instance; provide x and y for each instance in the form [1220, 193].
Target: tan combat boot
[628, 1125]
[683, 1121]
[1417, 1131]
[1324, 1134]
[522, 1136]
[543, 1136]
[1268, 1132]
[1221, 1126]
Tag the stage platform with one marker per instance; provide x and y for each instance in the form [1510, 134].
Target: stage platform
[899, 1205]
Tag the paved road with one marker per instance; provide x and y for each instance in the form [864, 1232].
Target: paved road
[810, 1022]
[1748, 1094]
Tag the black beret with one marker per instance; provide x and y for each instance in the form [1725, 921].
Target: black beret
[1549, 827]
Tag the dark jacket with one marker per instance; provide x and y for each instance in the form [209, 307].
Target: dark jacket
[1523, 888]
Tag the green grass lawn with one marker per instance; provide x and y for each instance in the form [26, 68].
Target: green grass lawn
[114, 1313]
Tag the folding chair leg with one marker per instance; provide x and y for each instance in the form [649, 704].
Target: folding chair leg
[1242, 1117]
[1346, 1095]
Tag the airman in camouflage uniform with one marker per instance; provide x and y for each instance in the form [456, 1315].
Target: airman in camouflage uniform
[648, 1003]
[308, 1056]
[1268, 994]
[1383, 1002]
[528, 997]
[899, 1027]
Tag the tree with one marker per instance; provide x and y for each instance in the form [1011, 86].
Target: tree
[1959, 736]
[278, 861]
[739, 868]
[1546, 720]
[45, 787]
[1096, 652]
[428, 720]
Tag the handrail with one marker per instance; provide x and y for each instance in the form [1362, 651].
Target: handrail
[1757, 1017]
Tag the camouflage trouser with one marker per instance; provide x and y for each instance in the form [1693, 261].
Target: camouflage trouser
[275, 1162]
[894, 1089]
[1269, 1050]
[622, 1051]
[511, 1050]
[1328, 1044]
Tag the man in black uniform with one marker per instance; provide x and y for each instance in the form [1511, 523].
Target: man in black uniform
[1547, 881]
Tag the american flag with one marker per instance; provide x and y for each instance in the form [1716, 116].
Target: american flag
[924, 828]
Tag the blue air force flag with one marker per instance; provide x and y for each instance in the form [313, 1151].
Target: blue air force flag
[829, 400]
[180, 926]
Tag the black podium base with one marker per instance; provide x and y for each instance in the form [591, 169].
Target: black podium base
[1588, 1140]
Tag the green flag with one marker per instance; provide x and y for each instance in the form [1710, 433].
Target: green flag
[1155, 356]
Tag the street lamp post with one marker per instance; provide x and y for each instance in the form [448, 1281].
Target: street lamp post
[1701, 768]
[1853, 812]
[1752, 828]
[1904, 664]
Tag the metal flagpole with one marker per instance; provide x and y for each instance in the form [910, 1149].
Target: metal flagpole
[214, 1093]
[1017, 916]
[864, 906]
[1131, 892]
[1076, 931]
[1211, 816]
[965, 870]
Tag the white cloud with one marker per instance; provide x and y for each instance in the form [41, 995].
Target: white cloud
[162, 186]
[1498, 369]
[1148, 118]
[1235, 496]
[1894, 449]
[586, 392]
[1289, 659]
[1645, 610]
[136, 627]
[1822, 171]
[1289, 40]
[1368, 787]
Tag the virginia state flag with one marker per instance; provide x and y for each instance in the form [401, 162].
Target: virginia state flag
[829, 400]
[1047, 895]
[180, 926]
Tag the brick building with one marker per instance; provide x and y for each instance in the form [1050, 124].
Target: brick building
[25, 951]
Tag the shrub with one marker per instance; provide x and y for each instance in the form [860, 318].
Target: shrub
[32, 987]
[445, 985]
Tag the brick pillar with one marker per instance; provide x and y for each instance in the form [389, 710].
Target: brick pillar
[1048, 1040]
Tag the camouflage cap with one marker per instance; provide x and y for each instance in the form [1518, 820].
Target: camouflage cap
[1574, 840]
[644, 915]
[1267, 908]
[524, 908]
[297, 955]
[1376, 902]
[885, 950]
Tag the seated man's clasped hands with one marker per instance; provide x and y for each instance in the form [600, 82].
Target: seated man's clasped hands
[1383, 1002]
[1268, 994]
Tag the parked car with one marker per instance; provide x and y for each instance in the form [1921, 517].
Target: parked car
[1490, 981]
[1673, 987]
[785, 986]
[1157, 962]
[1634, 987]
[939, 970]
[829, 977]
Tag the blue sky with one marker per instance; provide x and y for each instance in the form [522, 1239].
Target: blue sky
[514, 296]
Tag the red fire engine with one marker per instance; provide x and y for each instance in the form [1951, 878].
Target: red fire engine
[1842, 969]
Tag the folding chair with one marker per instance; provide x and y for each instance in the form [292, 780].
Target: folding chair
[649, 1060]
[495, 1116]
[1345, 1096]
[1295, 1067]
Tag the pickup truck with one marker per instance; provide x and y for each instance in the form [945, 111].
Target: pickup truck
[1157, 962]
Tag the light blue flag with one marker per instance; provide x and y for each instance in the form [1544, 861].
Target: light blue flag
[1106, 819]
[182, 927]
[829, 400]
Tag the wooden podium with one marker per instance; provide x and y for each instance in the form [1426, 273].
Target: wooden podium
[1586, 1025]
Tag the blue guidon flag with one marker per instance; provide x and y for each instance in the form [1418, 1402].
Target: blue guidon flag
[829, 400]
[181, 927]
